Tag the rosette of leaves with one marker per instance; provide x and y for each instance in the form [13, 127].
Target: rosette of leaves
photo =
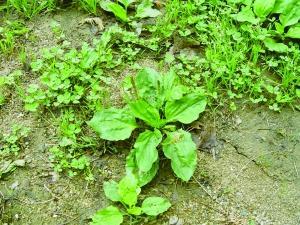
[126, 192]
[286, 26]
[155, 105]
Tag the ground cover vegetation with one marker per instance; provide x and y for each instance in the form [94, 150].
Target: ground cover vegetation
[211, 54]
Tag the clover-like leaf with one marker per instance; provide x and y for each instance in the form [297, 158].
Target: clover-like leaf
[146, 112]
[180, 148]
[109, 215]
[129, 190]
[154, 206]
[146, 153]
[111, 190]
[185, 109]
[113, 124]
[132, 168]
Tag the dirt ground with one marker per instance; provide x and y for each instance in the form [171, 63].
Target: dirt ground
[250, 177]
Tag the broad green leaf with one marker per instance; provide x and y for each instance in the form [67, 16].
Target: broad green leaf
[126, 3]
[154, 206]
[172, 89]
[272, 45]
[111, 190]
[186, 109]
[263, 8]
[132, 168]
[283, 5]
[129, 190]
[109, 215]
[32, 107]
[115, 8]
[294, 31]
[246, 15]
[146, 112]
[147, 83]
[291, 15]
[113, 124]
[180, 148]
[135, 211]
[146, 153]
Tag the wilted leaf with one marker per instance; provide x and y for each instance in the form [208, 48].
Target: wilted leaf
[154, 206]
[113, 124]
[111, 190]
[263, 8]
[180, 148]
[186, 109]
[272, 45]
[146, 152]
[109, 215]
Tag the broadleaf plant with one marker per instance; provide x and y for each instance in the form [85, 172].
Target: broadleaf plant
[158, 102]
[127, 192]
[120, 9]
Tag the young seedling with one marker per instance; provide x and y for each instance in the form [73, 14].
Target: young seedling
[126, 192]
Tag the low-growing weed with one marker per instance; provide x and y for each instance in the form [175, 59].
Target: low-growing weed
[11, 143]
[71, 162]
[67, 78]
[68, 156]
[30, 8]
[278, 19]
[7, 83]
[10, 33]
[158, 102]
[126, 192]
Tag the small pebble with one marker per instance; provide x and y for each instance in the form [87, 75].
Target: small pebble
[20, 162]
[14, 185]
[173, 220]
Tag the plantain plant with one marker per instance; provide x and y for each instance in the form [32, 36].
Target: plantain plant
[126, 192]
[156, 105]
[120, 9]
